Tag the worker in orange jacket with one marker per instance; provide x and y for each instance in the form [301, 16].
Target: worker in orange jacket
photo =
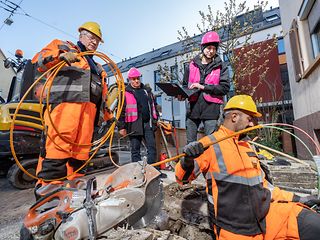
[76, 96]
[242, 204]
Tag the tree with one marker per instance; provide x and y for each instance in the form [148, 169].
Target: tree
[248, 61]
[235, 25]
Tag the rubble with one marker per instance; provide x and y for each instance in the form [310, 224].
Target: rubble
[186, 211]
[184, 216]
[290, 175]
[140, 234]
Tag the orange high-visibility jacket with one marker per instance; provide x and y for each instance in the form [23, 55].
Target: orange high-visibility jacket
[235, 183]
[73, 83]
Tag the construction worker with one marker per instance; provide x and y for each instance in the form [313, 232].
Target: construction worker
[139, 117]
[241, 203]
[207, 73]
[76, 95]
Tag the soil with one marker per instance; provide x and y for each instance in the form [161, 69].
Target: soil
[14, 205]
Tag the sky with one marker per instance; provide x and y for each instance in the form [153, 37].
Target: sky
[129, 27]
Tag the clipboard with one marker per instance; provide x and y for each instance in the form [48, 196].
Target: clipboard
[174, 89]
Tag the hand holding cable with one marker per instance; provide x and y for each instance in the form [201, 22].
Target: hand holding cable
[193, 149]
[69, 57]
[212, 143]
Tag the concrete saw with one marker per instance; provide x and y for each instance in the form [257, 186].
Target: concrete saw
[130, 195]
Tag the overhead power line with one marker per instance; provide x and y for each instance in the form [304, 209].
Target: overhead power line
[10, 7]
[13, 7]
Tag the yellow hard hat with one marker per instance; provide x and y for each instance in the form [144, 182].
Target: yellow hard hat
[243, 102]
[92, 27]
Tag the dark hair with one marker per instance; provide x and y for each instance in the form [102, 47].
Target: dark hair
[203, 46]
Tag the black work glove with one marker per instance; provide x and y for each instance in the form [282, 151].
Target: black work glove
[106, 124]
[309, 200]
[193, 149]
[69, 57]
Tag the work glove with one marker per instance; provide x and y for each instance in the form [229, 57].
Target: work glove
[106, 124]
[193, 149]
[69, 57]
[309, 201]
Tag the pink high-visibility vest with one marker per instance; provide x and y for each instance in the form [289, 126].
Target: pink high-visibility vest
[212, 79]
[132, 108]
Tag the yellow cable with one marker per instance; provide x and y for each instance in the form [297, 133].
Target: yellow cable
[211, 143]
[52, 72]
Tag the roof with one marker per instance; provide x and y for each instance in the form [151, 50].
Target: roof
[263, 20]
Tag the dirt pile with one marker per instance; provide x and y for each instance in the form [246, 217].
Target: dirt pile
[185, 209]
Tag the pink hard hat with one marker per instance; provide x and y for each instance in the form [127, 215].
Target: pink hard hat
[133, 73]
[210, 37]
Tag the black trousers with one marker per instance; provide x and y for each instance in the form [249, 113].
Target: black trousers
[309, 225]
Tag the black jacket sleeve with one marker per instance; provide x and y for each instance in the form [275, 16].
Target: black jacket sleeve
[121, 122]
[224, 84]
[186, 76]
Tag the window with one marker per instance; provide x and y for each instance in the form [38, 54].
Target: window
[176, 123]
[314, 28]
[174, 73]
[227, 56]
[315, 39]
[281, 49]
[157, 78]
[272, 18]
[285, 82]
[175, 107]
[139, 62]
[165, 53]
[295, 51]
[159, 100]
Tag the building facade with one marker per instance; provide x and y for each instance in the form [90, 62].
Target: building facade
[173, 59]
[301, 26]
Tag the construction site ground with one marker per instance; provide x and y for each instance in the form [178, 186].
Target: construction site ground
[184, 209]
[15, 204]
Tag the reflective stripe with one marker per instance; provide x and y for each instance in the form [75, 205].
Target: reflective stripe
[237, 179]
[132, 114]
[69, 88]
[210, 199]
[221, 164]
[131, 105]
[224, 175]
[208, 176]
[270, 187]
[196, 169]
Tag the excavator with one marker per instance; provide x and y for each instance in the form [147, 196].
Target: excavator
[28, 127]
